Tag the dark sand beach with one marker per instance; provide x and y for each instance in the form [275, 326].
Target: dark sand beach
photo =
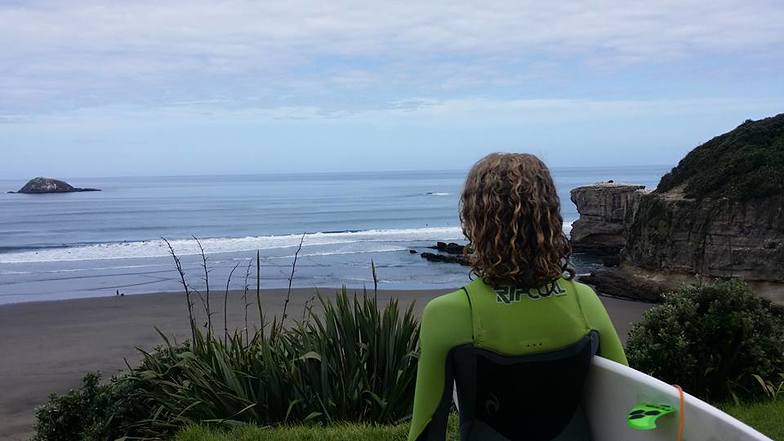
[48, 346]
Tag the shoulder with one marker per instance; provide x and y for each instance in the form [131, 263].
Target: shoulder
[585, 292]
[450, 304]
[446, 322]
[590, 303]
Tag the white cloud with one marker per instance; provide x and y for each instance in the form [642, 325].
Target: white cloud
[458, 113]
[64, 55]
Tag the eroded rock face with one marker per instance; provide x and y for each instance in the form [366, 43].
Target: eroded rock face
[718, 237]
[606, 210]
[672, 239]
[49, 185]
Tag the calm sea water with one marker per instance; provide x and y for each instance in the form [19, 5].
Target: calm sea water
[94, 244]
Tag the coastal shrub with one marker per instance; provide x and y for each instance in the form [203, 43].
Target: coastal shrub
[92, 412]
[359, 360]
[353, 362]
[712, 340]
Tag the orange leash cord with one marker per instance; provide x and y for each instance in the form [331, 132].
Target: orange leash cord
[681, 415]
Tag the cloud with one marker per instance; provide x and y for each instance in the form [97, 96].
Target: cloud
[61, 55]
[425, 112]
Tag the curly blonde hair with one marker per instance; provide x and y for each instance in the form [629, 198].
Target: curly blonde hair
[511, 217]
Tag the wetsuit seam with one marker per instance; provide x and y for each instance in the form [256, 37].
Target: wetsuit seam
[577, 290]
[471, 312]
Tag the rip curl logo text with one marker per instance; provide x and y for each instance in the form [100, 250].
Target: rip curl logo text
[508, 295]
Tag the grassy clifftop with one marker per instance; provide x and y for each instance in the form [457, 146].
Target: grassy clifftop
[745, 163]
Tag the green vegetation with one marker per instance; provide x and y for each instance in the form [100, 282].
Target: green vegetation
[356, 362]
[302, 433]
[765, 416]
[353, 360]
[92, 412]
[712, 340]
[746, 163]
[339, 432]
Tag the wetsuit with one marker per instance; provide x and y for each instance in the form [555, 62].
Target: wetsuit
[497, 344]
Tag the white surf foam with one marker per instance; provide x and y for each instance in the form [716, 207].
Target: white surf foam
[567, 228]
[183, 247]
[382, 249]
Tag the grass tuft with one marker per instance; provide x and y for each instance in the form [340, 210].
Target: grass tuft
[339, 432]
[767, 416]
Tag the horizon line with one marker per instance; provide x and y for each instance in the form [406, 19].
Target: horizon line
[322, 172]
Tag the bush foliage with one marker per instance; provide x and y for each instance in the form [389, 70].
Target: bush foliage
[712, 340]
[746, 163]
[354, 362]
[93, 412]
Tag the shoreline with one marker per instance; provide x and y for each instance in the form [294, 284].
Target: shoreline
[48, 346]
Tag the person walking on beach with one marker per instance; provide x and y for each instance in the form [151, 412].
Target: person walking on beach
[517, 341]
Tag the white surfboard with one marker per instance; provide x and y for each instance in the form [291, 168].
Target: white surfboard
[612, 389]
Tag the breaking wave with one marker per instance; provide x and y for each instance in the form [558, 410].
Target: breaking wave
[184, 247]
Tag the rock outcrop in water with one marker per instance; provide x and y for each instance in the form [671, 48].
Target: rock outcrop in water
[719, 213]
[48, 185]
[449, 253]
[606, 209]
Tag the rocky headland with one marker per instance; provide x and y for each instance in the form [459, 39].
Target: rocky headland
[48, 185]
[718, 214]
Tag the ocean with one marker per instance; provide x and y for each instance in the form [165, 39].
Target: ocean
[75, 245]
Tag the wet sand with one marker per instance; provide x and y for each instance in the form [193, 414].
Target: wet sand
[47, 347]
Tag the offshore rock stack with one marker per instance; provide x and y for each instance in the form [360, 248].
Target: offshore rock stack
[606, 210]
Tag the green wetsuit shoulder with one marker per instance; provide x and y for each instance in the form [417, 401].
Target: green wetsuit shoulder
[507, 321]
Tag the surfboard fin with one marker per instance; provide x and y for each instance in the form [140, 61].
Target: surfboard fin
[643, 416]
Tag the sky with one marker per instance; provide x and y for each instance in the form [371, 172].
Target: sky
[221, 87]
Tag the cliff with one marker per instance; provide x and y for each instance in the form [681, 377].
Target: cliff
[605, 210]
[719, 213]
[718, 237]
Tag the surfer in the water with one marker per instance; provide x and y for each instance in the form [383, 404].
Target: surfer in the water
[517, 341]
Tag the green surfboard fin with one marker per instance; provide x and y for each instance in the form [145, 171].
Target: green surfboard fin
[643, 416]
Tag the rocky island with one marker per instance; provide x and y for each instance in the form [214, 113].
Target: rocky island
[718, 214]
[48, 185]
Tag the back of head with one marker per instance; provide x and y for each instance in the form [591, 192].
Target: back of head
[510, 212]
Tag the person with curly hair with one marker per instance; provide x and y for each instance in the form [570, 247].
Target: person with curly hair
[518, 340]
